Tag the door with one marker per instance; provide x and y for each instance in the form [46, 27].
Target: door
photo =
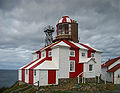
[51, 76]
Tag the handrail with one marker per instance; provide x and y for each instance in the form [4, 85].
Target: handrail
[80, 74]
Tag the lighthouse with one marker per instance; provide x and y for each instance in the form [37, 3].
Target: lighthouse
[67, 29]
[63, 58]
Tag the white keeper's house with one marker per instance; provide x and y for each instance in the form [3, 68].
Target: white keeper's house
[111, 71]
[66, 57]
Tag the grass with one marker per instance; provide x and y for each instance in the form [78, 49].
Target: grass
[17, 86]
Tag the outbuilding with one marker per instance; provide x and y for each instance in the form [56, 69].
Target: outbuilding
[111, 71]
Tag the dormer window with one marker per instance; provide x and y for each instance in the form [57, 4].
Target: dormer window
[92, 55]
[72, 53]
[37, 56]
[43, 54]
[49, 53]
[83, 54]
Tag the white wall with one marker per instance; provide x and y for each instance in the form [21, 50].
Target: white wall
[36, 78]
[20, 74]
[98, 63]
[116, 79]
[106, 75]
[27, 76]
[64, 62]
[103, 73]
[115, 63]
[80, 54]
[87, 73]
[60, 55]
[43, 77]
[55, 56]
[57, 77]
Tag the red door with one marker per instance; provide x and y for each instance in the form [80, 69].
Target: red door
[51, 76]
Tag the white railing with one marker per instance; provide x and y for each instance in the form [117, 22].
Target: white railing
[79, 76]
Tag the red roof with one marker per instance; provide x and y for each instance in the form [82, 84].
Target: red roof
[70, 44]
[89, 48]
[114, 68]
[108, 63]
[65, 19]
[29, 64]
[47, 47]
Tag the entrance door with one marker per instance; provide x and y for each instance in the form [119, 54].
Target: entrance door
[51, 76]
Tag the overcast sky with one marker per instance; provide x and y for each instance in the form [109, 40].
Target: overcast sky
[22, 23]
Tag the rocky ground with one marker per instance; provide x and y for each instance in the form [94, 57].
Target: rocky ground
[67, 86]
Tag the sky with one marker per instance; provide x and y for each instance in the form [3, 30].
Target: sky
[22, 25]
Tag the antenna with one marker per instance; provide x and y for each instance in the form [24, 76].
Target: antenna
[49, 38]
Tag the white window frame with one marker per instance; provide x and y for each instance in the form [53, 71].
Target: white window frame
[89, 68]
[82, 54]
[73, 53]
[70, 66]
[49, 53]
[92, 54]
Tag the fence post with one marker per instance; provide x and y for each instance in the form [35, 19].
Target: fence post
[78, 80]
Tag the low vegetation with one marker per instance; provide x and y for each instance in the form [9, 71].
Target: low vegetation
[65, 86]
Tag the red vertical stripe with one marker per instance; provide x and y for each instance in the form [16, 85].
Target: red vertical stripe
[51, 76]
[78, 66]
[30, 76]
[39, 55]
[23, 75]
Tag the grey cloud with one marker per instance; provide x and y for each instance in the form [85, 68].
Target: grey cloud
[22, 23]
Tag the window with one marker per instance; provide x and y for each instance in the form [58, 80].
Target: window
[37, 56]
[90, 67]
[65, 29]
[43, 54]
[83, 54]
[59, 29]
[34, 72]
[72, 53]
[72, 66]
[49, 53]
[26, 71]
[70, 29]
[92, 55]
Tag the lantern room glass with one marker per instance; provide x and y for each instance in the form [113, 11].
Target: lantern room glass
[64, 29]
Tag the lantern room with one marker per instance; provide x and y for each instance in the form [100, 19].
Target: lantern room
[67, 29]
